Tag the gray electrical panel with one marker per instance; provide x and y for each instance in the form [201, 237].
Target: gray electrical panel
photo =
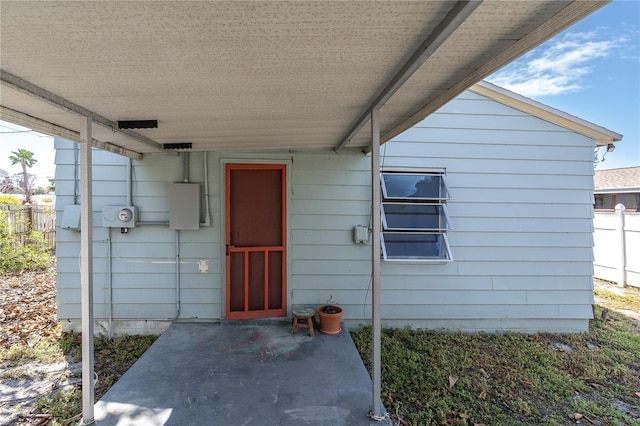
[184, 206]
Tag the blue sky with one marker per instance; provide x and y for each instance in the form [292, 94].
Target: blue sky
[13, 138]
[591, 70]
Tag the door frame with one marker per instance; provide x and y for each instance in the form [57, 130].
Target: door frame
[249, 163]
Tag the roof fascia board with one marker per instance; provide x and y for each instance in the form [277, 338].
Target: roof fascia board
[601, 135]
[48, 128]
[562, 20]
[39, 93]
[454, 18]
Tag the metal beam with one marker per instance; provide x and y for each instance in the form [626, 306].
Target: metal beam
[86, 272]
[454, 18]
[37, 92]
[560, 21]
[48, 128]
[375, 264]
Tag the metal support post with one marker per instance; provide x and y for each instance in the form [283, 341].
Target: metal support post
[86, 272]
[375, 260]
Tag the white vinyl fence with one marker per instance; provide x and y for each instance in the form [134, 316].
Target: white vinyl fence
[616, 248]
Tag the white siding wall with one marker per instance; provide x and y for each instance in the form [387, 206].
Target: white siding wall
[142, 265]
[521, 211]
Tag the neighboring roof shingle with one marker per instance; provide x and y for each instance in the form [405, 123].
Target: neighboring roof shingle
[627, 177]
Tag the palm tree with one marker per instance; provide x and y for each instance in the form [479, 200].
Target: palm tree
[26, 160]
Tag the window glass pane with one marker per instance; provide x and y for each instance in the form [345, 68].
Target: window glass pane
[604, 201]
[414, 246]
[629, 201]
[414, 186]
[400, 216]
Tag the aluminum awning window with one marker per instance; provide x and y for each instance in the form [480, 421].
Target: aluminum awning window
[414, 186]
[414, 216]
[415, 219]
[406, 246]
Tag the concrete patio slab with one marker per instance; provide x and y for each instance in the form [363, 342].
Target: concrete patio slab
[242, 374]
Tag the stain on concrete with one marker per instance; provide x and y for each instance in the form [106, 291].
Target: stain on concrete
[265, 343]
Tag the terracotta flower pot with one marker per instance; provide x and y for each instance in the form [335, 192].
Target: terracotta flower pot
[330, 317]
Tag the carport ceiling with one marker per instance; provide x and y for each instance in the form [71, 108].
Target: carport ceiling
[227, 75]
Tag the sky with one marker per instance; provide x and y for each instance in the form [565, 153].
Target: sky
[13, 138]
[591, 70]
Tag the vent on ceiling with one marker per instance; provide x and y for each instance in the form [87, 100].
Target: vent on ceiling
[138, 124]
[183, 145]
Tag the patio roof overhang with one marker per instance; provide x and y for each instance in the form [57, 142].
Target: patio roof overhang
[234, 75]
[230, 75]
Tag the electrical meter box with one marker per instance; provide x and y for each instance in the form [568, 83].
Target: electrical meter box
[184, 206]
[119, 216]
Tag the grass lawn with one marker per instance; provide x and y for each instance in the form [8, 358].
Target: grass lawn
[441, 378]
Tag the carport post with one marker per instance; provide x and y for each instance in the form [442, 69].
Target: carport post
[86, 272]
[375, 260]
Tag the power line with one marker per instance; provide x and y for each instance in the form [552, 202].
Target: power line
[13, 130]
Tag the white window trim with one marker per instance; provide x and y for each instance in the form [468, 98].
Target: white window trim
[399, 200]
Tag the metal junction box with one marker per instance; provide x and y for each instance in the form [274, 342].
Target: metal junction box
[71, 217]
[184, 206]
[119, 216]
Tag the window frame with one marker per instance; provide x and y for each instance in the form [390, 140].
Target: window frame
[442, 217]
[388, 198]
[421, 259]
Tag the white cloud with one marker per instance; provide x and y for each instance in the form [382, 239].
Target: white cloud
[559, 66]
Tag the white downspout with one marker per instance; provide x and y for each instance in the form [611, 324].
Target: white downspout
[185, 167]
[207, 217]
[76, 150]
[129, 183]
[110, 260]
[177, 274]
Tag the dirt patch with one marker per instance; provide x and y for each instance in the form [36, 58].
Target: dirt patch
[613, 297]
[40, 372]
[28, 312]
[27, 306]
[21, 387]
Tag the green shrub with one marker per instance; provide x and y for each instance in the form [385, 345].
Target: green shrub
[30, 254]
[9, 200]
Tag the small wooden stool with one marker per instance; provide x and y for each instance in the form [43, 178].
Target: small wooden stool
[302, 314]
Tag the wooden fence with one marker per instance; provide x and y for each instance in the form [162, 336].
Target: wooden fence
[21, 220]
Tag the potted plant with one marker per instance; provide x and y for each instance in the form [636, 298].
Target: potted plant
[330, 317]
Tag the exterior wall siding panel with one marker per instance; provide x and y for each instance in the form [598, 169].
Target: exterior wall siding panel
[520, 209]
